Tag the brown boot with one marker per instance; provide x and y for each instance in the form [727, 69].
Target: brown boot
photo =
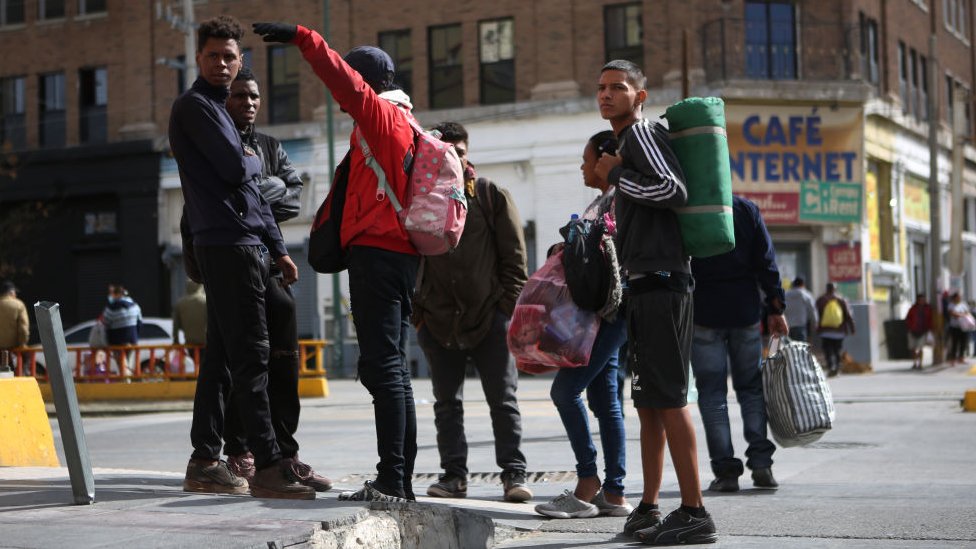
[304, 474]
[274, 481]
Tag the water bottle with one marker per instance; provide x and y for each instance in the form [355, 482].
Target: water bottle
[572, 228]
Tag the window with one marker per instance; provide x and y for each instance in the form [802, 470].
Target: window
[91, 6]
[51, 103]
[397, 44]
[13, 125]
[923, 90]
[913, 82]
[623, 33]
[283, 65]
[869, 49]
[50, 9]
[770, 40]
[92, 101]
[105, 222]
[954, 16]
[950, 98]
[903, 78]
[11, 12]
[446, 78]
[496, 47]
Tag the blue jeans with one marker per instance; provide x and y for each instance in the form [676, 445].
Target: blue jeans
[599, 378]
[716, 352]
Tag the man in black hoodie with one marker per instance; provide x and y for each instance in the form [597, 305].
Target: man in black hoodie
[233, 231]
[650, 185]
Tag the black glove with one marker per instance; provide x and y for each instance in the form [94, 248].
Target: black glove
[276, 32]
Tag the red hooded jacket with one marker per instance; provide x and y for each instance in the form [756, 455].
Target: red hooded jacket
[368, 219]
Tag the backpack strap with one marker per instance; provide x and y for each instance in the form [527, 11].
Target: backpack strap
[383, 189]
[482, 192]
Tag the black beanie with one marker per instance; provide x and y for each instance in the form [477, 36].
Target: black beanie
[374, 65]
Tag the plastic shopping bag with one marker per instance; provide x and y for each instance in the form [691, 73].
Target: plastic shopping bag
[548, 330]
[798, 399]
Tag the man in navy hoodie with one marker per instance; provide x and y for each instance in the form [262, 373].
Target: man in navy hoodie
[233, 232]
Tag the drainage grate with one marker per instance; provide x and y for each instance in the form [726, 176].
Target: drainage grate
[476, 478]
[840, 445]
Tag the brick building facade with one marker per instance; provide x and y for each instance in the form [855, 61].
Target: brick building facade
[87, 79]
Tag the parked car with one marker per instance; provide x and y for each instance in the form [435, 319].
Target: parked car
[152, 332]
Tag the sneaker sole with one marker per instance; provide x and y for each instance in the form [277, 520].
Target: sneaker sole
[438, 493]
[585, 513]
[696, 539]
[760, 487]
[317, 486]
[518, 495]
[200, 487]
[267, 493]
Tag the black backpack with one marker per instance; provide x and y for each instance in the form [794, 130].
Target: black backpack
[325, 253]
[590, 263]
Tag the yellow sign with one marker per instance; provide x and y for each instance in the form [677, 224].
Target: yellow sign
[916, 194]
[874, 224]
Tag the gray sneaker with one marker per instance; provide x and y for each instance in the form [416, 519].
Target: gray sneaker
[567, 506]
[207, 477]
[608, 509]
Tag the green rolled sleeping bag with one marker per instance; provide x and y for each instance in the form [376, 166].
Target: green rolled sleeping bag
[698, 137]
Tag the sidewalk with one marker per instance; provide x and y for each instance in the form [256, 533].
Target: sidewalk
[896, 471]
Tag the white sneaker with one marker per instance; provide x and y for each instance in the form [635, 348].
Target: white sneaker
[608, 509]
[567, 505]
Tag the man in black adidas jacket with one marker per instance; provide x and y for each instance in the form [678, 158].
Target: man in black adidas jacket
[650, 185]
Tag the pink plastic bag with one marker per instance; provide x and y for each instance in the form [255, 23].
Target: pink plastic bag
[548, 330]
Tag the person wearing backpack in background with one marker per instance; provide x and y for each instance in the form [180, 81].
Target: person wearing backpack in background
[463, 303]
[836, 323]
[382, 261]
[918, 321]
[592, 498]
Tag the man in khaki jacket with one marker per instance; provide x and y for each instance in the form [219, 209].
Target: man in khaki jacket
[462, 306]
[14, 326]
[190, 316]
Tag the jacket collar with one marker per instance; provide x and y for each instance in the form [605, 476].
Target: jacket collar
[218, 93]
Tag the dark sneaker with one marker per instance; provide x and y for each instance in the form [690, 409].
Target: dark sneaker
[608, 509]
[212, 477]
[449, 486]
[304, 473]
[763, 478]
[641, 521]
[515, 488]
[724, 484]
[368, 493]
[567, 505]
[679, 527]
[276, 482]
[242, 465]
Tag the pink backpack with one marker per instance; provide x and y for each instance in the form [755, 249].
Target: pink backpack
[435, 207]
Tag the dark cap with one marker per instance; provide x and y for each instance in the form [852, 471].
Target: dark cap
[374, 65]
[6, 287]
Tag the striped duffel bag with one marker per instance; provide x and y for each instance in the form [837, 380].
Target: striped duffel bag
[698, 138]
[798, 399]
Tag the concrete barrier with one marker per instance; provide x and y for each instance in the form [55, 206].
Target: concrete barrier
[969, 401]
[25, 432]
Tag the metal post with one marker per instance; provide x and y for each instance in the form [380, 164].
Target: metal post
[935, 202]
[189, 45]
[338, 318]
[65, 401]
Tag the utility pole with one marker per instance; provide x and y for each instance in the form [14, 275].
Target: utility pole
[189, 45]
[935, 196]
[338, 315]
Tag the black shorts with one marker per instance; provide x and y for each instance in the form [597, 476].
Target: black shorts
[659, 335]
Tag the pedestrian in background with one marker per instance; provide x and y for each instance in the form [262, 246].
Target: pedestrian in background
[14, 323]
[598, 378]
[836, 323]
[728, 339]
[233, 233]
[801, 310]
[918, 322]
[382, 261]
[462, 307]
[650, 185]
[960, 324]
[122, 317]
[190, 315]
[281, 186]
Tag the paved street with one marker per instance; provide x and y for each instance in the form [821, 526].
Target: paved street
[897, 471]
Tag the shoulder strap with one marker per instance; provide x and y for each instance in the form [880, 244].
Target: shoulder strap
[482, 192]
[382, 186]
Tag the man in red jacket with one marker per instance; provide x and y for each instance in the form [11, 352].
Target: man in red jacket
[382, 261]
[919, 324]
